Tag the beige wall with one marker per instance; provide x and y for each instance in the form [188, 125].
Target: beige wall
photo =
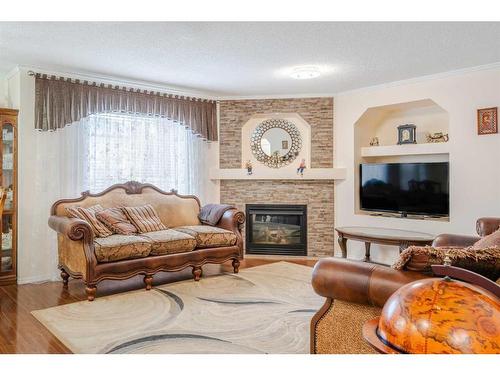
[474, 160]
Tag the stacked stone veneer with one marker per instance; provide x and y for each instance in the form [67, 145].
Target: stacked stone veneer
[318, 195]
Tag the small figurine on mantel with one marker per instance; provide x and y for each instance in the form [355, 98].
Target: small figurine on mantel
[301, 167]
[374, 141]
[248, 166]
[437, 137]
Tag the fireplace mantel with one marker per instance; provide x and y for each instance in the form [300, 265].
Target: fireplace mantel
[277, 174]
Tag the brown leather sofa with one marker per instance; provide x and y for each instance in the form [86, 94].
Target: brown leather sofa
[356, 291]
[77, 245]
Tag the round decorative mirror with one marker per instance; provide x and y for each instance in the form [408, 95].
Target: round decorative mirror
[276, 142]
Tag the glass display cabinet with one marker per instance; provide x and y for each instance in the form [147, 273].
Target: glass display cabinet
[8, 222]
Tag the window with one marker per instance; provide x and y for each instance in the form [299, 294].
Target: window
[119, 148]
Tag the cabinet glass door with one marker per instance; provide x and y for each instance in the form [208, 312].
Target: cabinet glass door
[7, 171]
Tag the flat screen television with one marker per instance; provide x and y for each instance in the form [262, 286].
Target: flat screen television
[405, 188]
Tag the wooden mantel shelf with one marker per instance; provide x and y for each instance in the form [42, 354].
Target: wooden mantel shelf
[278, 174]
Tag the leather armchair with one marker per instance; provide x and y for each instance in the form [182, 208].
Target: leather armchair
[356, 291]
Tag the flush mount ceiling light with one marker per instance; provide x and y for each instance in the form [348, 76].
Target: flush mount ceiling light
[305, 72]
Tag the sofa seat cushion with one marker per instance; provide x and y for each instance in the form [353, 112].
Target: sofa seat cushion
[119, 247]
[169, 242]
[208, 236]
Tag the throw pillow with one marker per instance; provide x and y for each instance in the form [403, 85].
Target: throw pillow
[485, 262]
[115, 219]
[89, 215]
[491, 240]
[144, 218]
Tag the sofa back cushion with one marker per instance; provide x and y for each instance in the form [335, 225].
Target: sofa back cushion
[115, 220]
[88, 214]
[173, 210]
[144, 218]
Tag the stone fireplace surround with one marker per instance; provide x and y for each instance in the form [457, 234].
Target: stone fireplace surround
[318, 195]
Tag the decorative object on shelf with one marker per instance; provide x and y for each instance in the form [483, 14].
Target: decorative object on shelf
[374, 141]
[407, 134]
[437, 137]
[440, 316]
[249, 167]
[8, 205]
[301, 167]
[268, 139]
[487, 121]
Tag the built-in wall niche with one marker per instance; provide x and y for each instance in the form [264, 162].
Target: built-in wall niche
[382, 121]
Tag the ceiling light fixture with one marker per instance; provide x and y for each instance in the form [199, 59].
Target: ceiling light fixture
[305, 72]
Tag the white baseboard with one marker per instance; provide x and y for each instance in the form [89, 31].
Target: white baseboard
[37, 279]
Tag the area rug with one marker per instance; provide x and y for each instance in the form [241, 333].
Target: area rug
[264, 309]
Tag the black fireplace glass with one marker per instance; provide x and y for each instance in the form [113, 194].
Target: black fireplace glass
[276, 229]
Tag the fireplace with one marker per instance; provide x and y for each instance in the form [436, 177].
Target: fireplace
[276, 229]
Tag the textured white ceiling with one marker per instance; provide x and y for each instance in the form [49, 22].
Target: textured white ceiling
[247, 59]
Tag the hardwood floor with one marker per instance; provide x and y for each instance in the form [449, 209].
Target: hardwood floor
[20, 332]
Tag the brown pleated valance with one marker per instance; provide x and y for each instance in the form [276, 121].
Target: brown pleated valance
[62, 101]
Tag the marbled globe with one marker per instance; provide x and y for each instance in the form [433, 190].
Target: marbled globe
[441, 316]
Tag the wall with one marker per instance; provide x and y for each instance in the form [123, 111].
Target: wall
[474, 169]
[237, 116]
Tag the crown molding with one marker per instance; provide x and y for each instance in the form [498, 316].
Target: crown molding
[409, 81]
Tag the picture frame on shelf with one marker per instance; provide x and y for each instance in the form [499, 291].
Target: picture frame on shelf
[487, 121]
[407, 134]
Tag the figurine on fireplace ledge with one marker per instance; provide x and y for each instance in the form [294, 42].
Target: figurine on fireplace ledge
[301, 167]
[248, 166]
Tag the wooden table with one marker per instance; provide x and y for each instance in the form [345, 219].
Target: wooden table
[383, 236]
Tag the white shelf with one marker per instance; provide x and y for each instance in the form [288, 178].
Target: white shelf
[277, 174]
[410, 149]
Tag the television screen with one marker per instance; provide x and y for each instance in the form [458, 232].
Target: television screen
[413, 188]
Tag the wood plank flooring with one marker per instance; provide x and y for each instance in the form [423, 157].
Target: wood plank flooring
[20, 332]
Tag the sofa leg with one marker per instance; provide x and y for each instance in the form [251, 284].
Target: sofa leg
[197, 273]
[236, 265]
[65, 277]
[90, 289]
[148, 280]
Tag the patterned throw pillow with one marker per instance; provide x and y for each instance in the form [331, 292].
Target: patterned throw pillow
[89, 215]
[485, 261]
[144, 218]
[491, 240]
[115, 219]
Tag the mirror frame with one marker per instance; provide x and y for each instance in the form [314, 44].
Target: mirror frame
[276, 161]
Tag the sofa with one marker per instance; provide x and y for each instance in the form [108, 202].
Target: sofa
[356, 291]
[185, 243]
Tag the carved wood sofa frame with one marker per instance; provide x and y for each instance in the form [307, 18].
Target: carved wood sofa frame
[78, 260]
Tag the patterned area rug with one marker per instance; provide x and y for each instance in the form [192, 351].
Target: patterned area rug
[264, 309]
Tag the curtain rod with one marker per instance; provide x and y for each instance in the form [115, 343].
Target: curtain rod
[31, 73]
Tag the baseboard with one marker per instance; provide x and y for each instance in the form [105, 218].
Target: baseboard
[38, 279]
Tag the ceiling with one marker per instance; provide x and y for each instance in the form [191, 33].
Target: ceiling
[250, 59]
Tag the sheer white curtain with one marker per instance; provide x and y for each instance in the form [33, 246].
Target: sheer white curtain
[93, 154]
[119, 148]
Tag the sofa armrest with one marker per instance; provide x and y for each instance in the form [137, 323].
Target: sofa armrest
[487, 225]
[75, 229]
[231, 220]
[358, 282]
[454, 240]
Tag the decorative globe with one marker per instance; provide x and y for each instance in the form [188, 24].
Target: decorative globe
[440, 315]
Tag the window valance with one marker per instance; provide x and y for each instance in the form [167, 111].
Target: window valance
[62, 101]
